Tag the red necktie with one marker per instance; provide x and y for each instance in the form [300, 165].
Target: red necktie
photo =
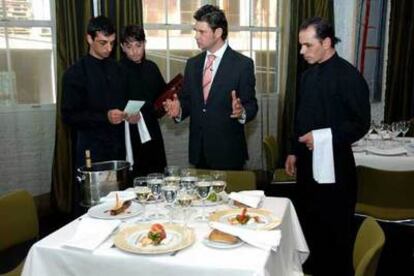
[208, 75]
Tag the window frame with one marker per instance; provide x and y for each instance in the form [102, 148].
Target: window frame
[7, 22]
[167, 27]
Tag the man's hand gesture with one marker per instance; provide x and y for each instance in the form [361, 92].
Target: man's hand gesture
[172, 107]
[237, 107]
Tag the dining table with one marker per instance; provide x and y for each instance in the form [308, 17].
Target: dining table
[391, 155]
[51, 256]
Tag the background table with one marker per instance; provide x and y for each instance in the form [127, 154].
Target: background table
[49, 257]
[382, 162]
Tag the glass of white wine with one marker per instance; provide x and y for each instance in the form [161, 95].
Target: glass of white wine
[142, 193]
[184, 200]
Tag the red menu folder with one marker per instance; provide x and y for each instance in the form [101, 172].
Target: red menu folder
[173, 87]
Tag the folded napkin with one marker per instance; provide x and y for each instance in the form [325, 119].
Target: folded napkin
[266, 240]
[91, 232]
[143, 135]
[123, 196]
[249, 198]
[322, 156]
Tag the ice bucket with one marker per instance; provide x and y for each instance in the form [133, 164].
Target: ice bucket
[100, 179]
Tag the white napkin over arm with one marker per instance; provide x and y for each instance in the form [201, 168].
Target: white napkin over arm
[322, 156]
[266, 240]
[90, 233]
[143, 130]
[143, 134]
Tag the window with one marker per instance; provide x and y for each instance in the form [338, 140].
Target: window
[371, 30]
[27, 74]
[253, 31]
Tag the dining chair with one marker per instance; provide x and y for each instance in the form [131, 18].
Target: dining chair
[19, 222]
[368, 246]
[385, 195]
[236, 180]
[271, 156]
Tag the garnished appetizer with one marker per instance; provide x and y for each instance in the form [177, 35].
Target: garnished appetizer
[155, 235]
[244, 218]
[119, 207]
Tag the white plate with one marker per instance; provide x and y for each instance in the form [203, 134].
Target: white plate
[101, 211]
[177, 238]
[268, 220]
[221, 245]
[387, 152]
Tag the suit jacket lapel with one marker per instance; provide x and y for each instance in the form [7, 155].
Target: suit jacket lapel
[198, 67]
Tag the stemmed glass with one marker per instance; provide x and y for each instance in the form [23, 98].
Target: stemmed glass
[142, 193]
[155, 182]
[169, 193]
[219, 182]
[188, 179]
[172, 175]
[184, 200]
[405, 126]
[202, 187]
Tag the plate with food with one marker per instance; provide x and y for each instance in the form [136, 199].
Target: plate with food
[154, 238]
[257, 219]
[221, 240]
[115, 210]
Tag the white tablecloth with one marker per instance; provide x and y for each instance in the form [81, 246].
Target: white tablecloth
[48, 257]
[392, 163]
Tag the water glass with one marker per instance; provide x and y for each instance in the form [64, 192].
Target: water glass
[169, 194]
[219, 175]
[172, 171]
[155, 184]
[202, 188]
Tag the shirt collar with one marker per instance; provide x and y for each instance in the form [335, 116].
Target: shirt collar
[220, 52]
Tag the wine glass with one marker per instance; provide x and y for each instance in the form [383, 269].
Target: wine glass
[172, 171]
[169, 193]
[184, 200]
[202, 188]
[142, 193]
[219, 175]
[405, 126]
[155, 182]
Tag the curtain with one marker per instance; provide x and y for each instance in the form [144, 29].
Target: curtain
[122, 13]
[399, 99]
[299, 11]
[71, 21]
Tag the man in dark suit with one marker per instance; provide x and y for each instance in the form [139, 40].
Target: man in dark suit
[218, 95]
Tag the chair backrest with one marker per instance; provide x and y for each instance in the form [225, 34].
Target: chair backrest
[271, 154]
[368, 246]
[236, 180]
[19, 222]
[385, 194]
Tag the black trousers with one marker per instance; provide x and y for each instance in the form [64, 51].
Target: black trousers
[326, 213]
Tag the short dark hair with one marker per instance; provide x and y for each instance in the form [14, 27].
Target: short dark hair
[323, 29]
[214, 17]
[132, 33]
[100, 24]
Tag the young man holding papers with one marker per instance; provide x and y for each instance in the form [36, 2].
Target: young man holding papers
[144, 82]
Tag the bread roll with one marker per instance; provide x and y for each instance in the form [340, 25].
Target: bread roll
[218, 236]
